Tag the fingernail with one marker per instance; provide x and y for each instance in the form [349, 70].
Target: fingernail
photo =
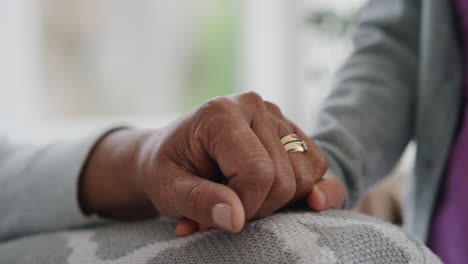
[320, 195]
[222, 216]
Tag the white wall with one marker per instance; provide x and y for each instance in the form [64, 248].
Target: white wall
[117, 57]
[269, 51]
[19, 76]
[138, 51]
[279, 52]
[273, 57]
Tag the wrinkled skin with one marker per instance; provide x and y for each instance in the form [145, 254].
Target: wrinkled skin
[227, 151]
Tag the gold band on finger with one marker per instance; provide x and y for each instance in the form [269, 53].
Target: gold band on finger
[297, 146]
[293, 143]
[290, 138]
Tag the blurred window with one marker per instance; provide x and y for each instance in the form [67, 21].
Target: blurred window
[131, 58]
[69, 66]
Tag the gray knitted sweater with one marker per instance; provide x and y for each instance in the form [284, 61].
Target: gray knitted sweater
[288, 237]
[38, 198]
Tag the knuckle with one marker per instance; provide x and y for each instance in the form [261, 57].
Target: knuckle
[262, 171]
[304, 176]
[213, 118]
[321, 165]
[253, 97]
[264, 177]
[254, 105]
[273, 108]
[170, 195]
[285, 190]
[220, 104]
[194, 195]
[195, 201]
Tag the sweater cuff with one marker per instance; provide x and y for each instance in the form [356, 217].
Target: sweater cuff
[60, 166]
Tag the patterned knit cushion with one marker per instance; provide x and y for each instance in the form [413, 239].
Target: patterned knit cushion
[288, 237]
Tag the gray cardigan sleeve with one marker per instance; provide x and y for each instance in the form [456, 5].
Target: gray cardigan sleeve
[368, 119]
[38, 186]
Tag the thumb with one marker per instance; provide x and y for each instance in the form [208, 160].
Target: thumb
[207, 202]
[327, 193]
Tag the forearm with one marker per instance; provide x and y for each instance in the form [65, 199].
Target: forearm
[109, 181]
[367, 120]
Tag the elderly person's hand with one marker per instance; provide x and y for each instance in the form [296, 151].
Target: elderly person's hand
[219, 166]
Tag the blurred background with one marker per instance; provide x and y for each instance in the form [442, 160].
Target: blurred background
[70, 67]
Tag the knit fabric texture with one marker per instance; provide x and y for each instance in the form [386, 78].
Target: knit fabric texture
[288, 237]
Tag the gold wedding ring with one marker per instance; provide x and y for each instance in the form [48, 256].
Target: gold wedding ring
[293, 143]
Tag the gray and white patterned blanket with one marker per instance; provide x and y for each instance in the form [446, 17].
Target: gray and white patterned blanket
[289, 237]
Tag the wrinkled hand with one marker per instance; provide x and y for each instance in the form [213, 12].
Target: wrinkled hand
[327, 193]
[219, 166]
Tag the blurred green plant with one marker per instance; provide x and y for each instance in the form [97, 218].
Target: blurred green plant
[213, 68]
[214, 53]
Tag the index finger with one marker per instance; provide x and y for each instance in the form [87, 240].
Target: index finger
[243, 160]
